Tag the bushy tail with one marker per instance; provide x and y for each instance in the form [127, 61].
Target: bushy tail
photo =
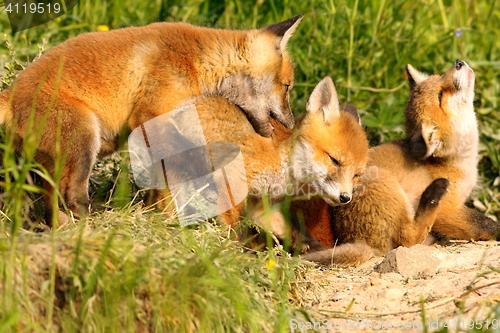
[4, 105]
[349, 254]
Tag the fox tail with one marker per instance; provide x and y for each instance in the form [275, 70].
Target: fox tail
[349, 254]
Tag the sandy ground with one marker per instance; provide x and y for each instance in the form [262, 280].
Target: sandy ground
[458, 286]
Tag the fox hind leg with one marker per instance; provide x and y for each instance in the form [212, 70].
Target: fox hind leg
[408, 232]
[80, 145]
[426, 214]
[349, 254]
[75, 182]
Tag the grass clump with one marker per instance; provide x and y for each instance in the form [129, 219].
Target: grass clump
[135, 271]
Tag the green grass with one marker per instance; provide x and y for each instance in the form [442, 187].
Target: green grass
[129, 269]
[132, 270]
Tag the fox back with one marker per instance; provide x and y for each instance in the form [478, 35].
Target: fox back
[125, 74]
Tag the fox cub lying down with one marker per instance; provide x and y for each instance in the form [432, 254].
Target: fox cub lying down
[412, 185]
[323, 156]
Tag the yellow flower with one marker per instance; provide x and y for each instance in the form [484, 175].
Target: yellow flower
[270, 264]
[102, 28]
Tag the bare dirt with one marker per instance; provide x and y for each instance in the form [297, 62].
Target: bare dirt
[457, 284]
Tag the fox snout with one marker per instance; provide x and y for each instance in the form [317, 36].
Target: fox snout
[459, 64]
[463, 75]
[345, 197]
[284, 116]
[337, 194]
[260, 118]
[337, 200]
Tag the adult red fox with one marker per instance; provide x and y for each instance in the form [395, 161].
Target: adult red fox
[440, 149]
[83, 93]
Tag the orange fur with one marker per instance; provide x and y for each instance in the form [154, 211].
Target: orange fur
[90, 89]
[295, 163]
[419, 183]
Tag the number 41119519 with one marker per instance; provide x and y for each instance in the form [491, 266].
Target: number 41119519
[471, 323]
[33, 8]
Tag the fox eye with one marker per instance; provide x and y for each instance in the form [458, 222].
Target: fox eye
[357, 175]
[440, 96]
[334, 161]
[287, 87]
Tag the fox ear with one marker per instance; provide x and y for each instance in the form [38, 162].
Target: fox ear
[424, 144]
[324, 99]
[414, 76]
[284, 30]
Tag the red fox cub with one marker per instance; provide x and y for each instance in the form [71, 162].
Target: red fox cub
[86, 91]
[440, 149]
[308, 161]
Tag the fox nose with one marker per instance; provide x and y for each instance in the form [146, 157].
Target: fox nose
[459, 64]
[345, 197]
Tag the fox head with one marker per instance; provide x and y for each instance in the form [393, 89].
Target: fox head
[331, 148]
[440, 119]
[262, 87]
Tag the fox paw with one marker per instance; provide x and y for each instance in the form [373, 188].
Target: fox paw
[435, 192]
